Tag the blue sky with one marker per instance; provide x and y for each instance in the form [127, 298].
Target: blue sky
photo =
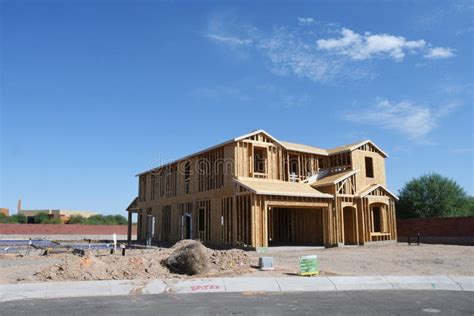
[96, 92]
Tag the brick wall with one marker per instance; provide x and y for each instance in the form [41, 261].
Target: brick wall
[436, 227]
[64, 229]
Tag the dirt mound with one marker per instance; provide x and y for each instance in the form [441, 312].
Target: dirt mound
[189, 257]
[114, 267]
[182, 243]
[232, 259]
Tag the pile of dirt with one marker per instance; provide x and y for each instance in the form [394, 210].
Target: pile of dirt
[188, 258]
[112, 267]
[185, 258]
[232, 259]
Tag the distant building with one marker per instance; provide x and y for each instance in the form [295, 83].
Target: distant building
[4, 211]
[63, 215]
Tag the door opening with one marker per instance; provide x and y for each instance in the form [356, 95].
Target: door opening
[376, 219]
[150, 229]
[188, 221]
[350, 226]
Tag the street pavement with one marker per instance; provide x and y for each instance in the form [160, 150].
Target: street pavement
[395, 302]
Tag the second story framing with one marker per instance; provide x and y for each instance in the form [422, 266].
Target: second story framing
[259, 155]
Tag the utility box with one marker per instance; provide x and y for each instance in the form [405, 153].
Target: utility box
[265, 263]
[309, 265]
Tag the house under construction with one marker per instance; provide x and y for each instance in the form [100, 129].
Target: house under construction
[257, 191]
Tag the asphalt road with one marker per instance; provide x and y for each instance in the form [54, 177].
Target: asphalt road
[341, 303]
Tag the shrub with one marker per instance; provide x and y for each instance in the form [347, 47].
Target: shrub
[98, 220]
[76, 219]
[121, 220]
[13, 219]
[5, 219]
[45, 218]
[19, 218]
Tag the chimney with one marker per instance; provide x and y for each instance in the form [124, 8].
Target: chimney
[19, 205]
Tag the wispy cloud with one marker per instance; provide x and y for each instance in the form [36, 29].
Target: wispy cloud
[439, 53]
[462, 150]
[365, 46]
[406, 117]
[306, 51]
[306, 21]
[230, 40]
[251, 93]
[289, 54]
[219, 93]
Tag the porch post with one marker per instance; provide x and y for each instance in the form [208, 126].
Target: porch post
[129, 228]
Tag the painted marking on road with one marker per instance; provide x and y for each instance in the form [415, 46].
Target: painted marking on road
[431, 310]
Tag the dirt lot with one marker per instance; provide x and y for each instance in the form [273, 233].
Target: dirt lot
[388, 259]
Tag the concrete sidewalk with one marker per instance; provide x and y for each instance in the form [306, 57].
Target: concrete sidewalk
[47, 290]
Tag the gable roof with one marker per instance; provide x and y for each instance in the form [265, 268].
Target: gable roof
[258, 131]
[214, 147]
[372, 187]
[354, 146]
[304, 148]
[286, 145]
[275, 187]
[334, 178]
[133, 206]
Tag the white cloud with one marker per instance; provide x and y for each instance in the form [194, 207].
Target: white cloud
[406, 117]
[306, 21]
[230, 40]
[305, 54]
[439, 53]
[349, 38]
[361, 47]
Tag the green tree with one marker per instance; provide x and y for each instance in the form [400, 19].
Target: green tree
[76, 219]
[19, 218]
[433, 195]
[95, 220]
[110, 220]
[12, 219]
[5, 219]
[121, 220]
[45, 218]
[41, 218]
[98, 220]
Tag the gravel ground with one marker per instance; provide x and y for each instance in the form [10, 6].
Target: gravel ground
[386, 259]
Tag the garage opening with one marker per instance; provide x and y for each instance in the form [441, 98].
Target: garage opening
[295, 226]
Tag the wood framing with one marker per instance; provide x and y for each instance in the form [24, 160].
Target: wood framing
[256, 191]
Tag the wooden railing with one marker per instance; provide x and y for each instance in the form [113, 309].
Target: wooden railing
[379, 236]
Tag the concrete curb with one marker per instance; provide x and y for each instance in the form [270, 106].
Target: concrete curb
[48, 290]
